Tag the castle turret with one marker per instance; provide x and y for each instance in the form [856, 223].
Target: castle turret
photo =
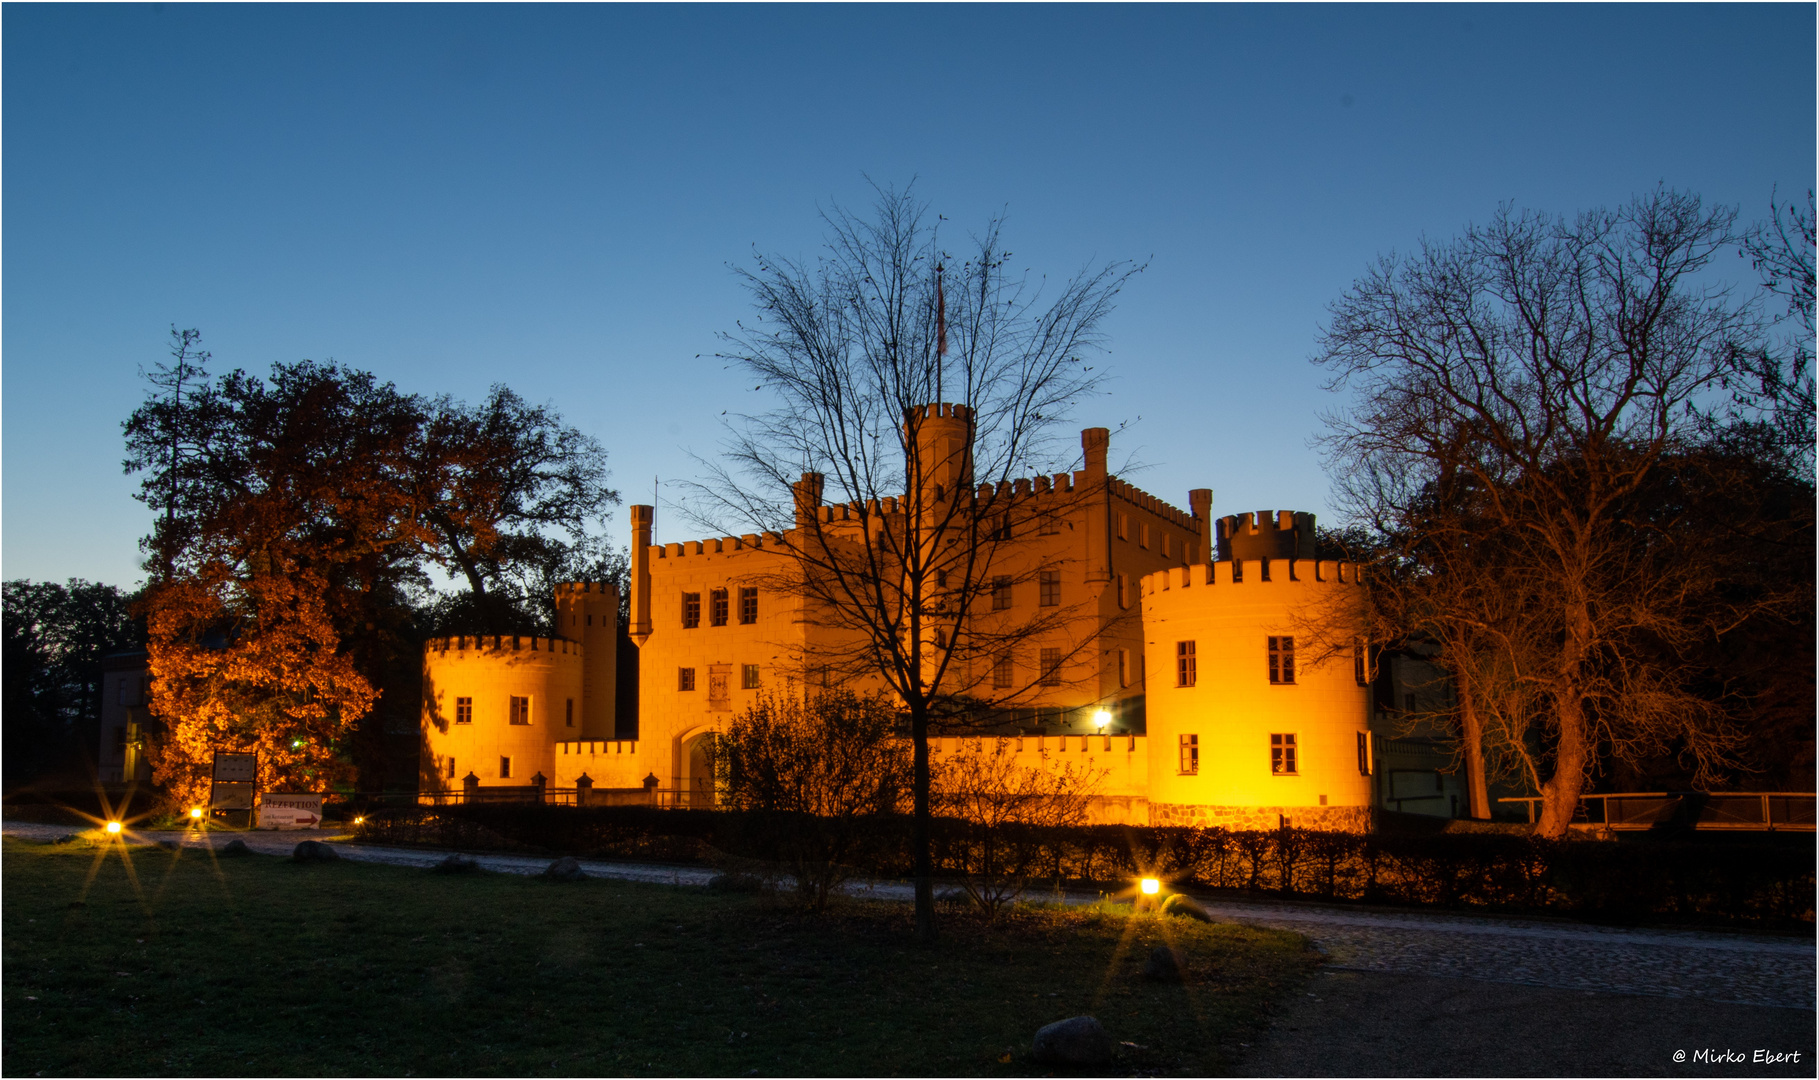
[642, 517]
[588, 612]
[941, 436]
[1283, 535]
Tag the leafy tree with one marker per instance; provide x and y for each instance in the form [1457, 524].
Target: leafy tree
[814, 772]
[55, 639]
[853, 347]
[1516, 393]
[297, 533]
[1000, 808]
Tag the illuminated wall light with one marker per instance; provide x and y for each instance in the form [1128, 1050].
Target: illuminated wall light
[1102, 718]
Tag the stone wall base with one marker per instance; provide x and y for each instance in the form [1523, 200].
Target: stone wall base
[1355, 819]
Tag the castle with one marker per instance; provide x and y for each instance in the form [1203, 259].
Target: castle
[1153, 643]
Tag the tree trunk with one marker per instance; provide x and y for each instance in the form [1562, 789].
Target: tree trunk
[1471, 732]
[1560, 795]
[919, 827]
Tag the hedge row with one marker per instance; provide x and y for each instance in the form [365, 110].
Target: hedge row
[1740, 883]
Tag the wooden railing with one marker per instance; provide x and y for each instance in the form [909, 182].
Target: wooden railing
[1746, 811]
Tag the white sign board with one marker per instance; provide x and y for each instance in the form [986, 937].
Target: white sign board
[278, 811]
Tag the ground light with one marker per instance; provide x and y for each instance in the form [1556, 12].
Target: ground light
[1151, 886]
[113, 828]
[195, 813]
[1102, 718]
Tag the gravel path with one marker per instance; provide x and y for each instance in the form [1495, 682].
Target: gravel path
[1740, 969]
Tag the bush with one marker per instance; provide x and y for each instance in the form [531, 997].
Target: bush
[1743, 883]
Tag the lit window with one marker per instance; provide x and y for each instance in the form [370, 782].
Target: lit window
[748, 606]
[521, 710]
[716, 608]
[748, 677]
[1051, 667]
[691, 610]
[464, 710]
[1186, 666]
[1364, 754]
[1001, 594]
[1190, 755]
[1051, 588]
[1282, 755]
[685, 678]
[1002, 673]
[505, 768]
[1282, 660]
[570, 714]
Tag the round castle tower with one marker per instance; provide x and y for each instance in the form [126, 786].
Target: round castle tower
[495, 706]
[1248, 724]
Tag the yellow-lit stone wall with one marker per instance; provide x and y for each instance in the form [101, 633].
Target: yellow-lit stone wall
[489, 671]
[1229, 611]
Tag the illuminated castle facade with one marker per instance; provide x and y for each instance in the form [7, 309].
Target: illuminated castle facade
[1164, 652]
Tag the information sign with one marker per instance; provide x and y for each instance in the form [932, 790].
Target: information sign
[278, 810]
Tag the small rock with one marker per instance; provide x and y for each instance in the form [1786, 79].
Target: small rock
[565, 869]
[315, 851]
[66, 838]
[1187, 907]
[457, 864]
[237, 846]
[1078, 1040]
[1166, 965]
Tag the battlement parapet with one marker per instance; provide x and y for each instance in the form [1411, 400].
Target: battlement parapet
[597, 746]
[1251, 572]
[718, 546]
[941, 411]
[1283, 534]
[495, 645]
[570, 588]
[1145, 501]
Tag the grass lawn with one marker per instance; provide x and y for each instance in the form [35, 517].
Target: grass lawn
[150, 961]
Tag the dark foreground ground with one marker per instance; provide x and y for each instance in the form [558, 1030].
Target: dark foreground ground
[1347, 1023]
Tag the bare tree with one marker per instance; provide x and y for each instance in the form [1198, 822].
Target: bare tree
[916, 392]
[1781, 250]
[1516, 391]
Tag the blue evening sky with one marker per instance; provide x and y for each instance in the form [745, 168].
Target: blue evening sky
[551, 197]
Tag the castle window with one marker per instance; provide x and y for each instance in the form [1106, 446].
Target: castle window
[505, 768]
[1168, 546]
[1282, 660]
[748, 606]
[1051, 667]
[1124, 599]
[1124, 526]
[941, 579]
[1364, 754]
[1124, 668]
[691, 610]
[1048, 525]
[748, 677]
[1360, 671]
[570, 714]
[129, 691]
[1189, 748]
[1282, 755]
[1186, 665]
[685, 678]
[451, 768]
[1143, 535]
[521, 710]
[1003, 529]
[1001, 593]
[1003, 676]
[464, 710]
[716, 608]
[1051, 588]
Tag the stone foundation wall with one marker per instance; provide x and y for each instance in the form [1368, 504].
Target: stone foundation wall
[1356, 819]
